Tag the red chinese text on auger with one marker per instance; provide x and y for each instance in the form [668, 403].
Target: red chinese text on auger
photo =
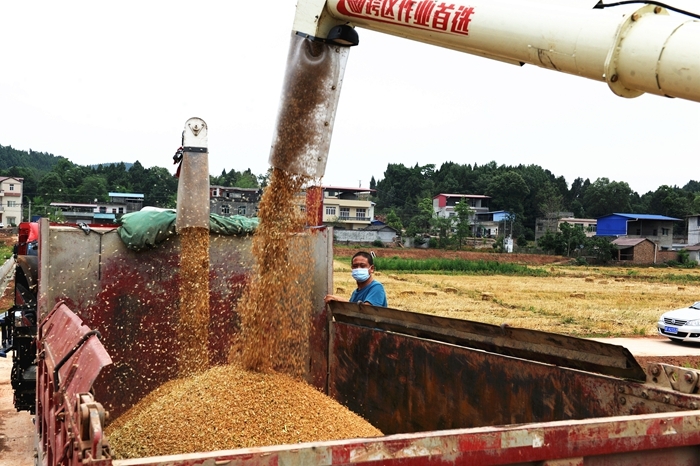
[429, 14]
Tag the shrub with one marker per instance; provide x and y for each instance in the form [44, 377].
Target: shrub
[377, 243]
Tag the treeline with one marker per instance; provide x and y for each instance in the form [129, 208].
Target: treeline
[404, 195]
[528, 191]
[49, 178]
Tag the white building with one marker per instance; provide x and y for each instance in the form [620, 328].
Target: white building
[11, 200]
[444, 204]
[347, 208]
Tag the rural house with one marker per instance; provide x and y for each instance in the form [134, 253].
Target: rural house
[444, 204]
[693, 228]
[11, 200]
[227, 201]
[545, 224]
[342, 207]
[491, 224]
[657, 228]
[383, 233]
[635, 250]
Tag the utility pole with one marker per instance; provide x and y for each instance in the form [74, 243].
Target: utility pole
[30, 211]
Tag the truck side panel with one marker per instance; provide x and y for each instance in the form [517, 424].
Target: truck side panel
[404, 384]
[650, 439]
[132, 299]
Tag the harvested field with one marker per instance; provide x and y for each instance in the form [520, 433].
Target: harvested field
[227, 408]
[577, 301]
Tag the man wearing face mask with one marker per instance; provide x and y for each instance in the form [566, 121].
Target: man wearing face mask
[369, 290]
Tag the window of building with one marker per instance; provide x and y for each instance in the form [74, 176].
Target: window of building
[345, 212]
[103, 210]
[11, 203]
[655, 232]
[114, 210]
[12, 220]
[121, 210]
[225, 209]
[12, 186]
[361, 213]
[330, 210]
[664, 232]
[241, 210]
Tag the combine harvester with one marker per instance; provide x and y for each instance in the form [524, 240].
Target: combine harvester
[444, 391]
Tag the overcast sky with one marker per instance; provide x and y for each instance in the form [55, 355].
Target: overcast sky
[106, 82]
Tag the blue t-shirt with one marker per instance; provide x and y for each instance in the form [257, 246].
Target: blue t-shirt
[373, 293]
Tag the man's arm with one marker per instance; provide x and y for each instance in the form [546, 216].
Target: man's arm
[331, 297]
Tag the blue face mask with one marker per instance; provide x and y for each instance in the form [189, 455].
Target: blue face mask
[360, 275]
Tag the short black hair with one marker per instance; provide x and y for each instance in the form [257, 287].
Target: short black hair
[366, 255]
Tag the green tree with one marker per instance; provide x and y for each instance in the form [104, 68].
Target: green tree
[565, 241]
[394, 221]
[443, 226]
[93, 189]
[548, 241]
[572, 236]
[508, 191]
[605, 197]
[601, 248]
[425, 215]
[464, 216]
[51, 187]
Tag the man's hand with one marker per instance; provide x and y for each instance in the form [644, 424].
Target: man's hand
[330, 297]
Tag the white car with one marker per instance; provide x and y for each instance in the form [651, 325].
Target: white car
[681, 324]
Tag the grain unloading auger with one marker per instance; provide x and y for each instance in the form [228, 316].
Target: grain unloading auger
[643, 51]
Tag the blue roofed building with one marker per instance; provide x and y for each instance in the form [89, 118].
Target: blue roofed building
[657, 228]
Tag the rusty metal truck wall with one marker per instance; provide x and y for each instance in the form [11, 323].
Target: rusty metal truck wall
[132, 299]
[402, 383]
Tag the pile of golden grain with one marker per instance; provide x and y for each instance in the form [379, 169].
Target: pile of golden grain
[227, 408]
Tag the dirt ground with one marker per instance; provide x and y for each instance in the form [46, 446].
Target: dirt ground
[680, 361]
[16, 429]
[415, 253]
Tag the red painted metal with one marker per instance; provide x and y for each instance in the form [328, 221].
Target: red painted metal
[70, 357]
[651, 439]
[314, 206]
[132, 299]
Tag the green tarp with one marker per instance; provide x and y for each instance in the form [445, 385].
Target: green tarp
[148, 228]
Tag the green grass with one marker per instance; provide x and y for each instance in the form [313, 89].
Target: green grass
[5, 252]
[456, 266]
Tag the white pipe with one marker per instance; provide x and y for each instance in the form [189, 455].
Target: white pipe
[648, 51]
[193, 184]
